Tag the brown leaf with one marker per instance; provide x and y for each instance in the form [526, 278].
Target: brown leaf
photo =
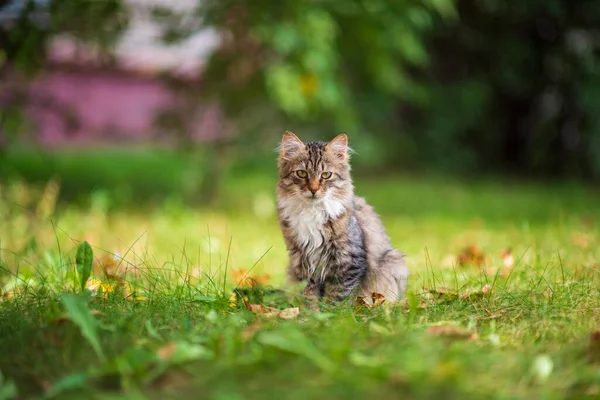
[486, 290]
[243, 279]
[471, 255]
[452, 332]
[378, 299]
[289, 313]
[263, 310]
[362, 301]
[165, 352]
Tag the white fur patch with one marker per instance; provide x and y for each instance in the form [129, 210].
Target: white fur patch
[307, 218]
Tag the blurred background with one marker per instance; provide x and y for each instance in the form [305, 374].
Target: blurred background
[138, 100]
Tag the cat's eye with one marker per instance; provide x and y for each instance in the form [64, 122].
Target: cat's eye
[302, 174]
[326, 175]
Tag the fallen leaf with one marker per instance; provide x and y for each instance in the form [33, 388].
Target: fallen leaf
[378, 299]
[263, 310]
[242, 279]
[452, 332]
[471, 255]
[507, 258]
[289, 313]
[165, 352]
[486, 290]
[362, 301]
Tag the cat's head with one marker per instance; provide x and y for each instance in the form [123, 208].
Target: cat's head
[315, 170]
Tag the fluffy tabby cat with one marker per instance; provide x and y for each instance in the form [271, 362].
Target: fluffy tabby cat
[335, 240]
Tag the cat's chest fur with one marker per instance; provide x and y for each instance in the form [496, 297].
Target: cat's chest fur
[308, 221]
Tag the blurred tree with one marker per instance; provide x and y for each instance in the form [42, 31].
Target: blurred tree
[26, 26]
[515, 85]
[320, 65]
[458, 85]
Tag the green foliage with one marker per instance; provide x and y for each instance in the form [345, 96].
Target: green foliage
[84, 261]
[181, 334]
[78, 311]
[8, 389]
[455, 85]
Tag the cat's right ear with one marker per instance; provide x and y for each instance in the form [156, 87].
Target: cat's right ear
[290, 144]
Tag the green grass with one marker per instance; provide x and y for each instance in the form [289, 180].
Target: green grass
[170, 329]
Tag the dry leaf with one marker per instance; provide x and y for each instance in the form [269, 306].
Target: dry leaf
[362, 301]
[165, 352]
[471, 255]
[242, 279]
[507, 258]
[289, 313]
[452, 332]
[486, 290]
[378, 299]
[262, 310]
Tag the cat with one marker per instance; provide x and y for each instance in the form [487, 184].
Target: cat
[335, 240]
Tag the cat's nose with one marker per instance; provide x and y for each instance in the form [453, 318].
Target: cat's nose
[313, 186]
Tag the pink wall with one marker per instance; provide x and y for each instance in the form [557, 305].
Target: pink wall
[109, 106]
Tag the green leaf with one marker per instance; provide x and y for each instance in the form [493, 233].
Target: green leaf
[78, 311]
[8, 389]
[69, 382]
[84, 260]
[294, 341]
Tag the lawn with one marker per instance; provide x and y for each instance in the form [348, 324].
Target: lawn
[503, 298]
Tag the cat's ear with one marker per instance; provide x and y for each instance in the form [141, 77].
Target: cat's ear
[290, 144]
[339, 146]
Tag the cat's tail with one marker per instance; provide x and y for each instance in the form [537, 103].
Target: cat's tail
[389, 277]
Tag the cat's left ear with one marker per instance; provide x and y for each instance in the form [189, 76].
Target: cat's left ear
[290, 144]
[339, 146]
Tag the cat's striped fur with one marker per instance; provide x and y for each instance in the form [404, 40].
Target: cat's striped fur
[336, 242]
